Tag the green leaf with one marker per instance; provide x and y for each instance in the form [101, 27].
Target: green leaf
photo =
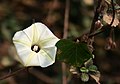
[84, 77]
[92, 68]
[73, 53]
[84, 69]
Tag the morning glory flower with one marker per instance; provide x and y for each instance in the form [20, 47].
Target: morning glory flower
[35, 45]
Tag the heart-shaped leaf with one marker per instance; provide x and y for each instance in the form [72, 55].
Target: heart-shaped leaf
[73, 53]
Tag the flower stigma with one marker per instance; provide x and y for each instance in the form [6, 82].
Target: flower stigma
[35, 48]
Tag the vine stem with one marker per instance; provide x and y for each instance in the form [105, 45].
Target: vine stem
[65, 34]
[113, 8]
[14, 73]
[113, 17]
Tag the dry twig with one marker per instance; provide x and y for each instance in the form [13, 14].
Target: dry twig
[12, 74]
[65, 34]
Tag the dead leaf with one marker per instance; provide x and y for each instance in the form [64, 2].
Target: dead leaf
[108, 1]
[108, 18]
[96, 77]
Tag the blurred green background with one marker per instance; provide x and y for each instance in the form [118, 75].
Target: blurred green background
[19, 14]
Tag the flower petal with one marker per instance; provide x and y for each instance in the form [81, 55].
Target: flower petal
[31, 58]
[22, 38]
[23, 52]
[47, 56]
[36, 31]
[47, 38]
[49, 42]
[27, 55]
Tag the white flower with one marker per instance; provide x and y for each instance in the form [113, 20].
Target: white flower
[35, 45]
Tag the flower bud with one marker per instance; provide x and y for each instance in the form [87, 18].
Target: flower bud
[98, 24]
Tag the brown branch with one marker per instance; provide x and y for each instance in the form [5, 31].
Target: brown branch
[104, 27]
[12, 74]
[66, 19]
[91, 35]
[97, 11]
[65, 34]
